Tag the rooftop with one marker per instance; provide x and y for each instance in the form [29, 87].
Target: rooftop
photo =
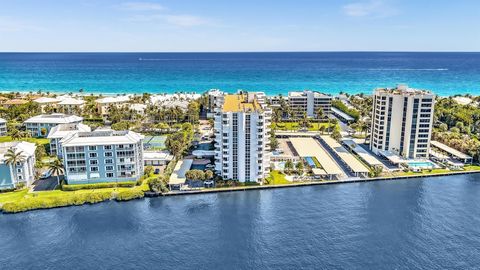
[27, 149]
[54, 118]
[403, 89]
[45, 100]
[117, 99]
[305, 92]
[104, 137]
[71, 101]
[15, 102]
[64, 130]
[240, 103]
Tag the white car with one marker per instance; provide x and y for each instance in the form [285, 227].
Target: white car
[45, 175]
[210, 166]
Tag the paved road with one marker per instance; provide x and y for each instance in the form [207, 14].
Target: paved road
[46, 184]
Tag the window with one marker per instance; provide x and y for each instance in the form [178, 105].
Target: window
[94, 169]
[107, 147]
[109, 168]
[19, 170]
[108, 154]
[108, 161]
[93, 162]
[109, 175]
[92, 155]
[92, 148]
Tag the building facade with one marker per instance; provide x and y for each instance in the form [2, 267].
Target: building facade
[242, 126]
[103, 156]
[23, 172]
[40, 125]
[3, 127]
[402, 121]
[309, 102]
[61, 131]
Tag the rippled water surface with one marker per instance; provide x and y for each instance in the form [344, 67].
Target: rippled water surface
[432, 223]
[274, 73]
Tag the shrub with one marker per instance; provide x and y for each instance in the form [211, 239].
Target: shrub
[52, 202]
[97, 185]
[126, 195]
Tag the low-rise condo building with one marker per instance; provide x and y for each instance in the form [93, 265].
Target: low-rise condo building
[61, 131]
[103, 104]
[103, 156]
[47, 104]
[242, 126]
[309, 102]
[3, 127]
[402, 122]
[20, 172]
[70, 105]
[40, 125]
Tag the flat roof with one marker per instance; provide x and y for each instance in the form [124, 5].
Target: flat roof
[106, 137]
[346, 156]
[392, 157]
[240, 103]
[160, 155]
[342, 114]
[54, 118]
[62, 130]
[450, 150]
[309, 147]
[364, 154]
[178, 174]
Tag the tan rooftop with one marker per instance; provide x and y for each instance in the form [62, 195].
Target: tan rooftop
[240, 103]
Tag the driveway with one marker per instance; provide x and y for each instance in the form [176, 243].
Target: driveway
[46, 184]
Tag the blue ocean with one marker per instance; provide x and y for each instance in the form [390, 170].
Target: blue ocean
[274, 73]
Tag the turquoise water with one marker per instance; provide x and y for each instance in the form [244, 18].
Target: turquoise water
[310, 162]
[432, 223]
[425, 164]
[274, 73]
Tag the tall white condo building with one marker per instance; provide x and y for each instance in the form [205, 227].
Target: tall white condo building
[402, 121]
[242, 126]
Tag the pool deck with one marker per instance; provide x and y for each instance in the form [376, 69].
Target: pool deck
[303, 184]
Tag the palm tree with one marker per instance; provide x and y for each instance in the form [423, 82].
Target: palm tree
[13, 157]
[56, 167]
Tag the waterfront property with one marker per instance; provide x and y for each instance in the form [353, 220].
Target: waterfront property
[309, 102]
[356, 167]
[215, 97]
[61, 131]
[157, 158]
[242, 126]
[402, 122]
[452, 154]
[21, 170]
[40, 125]
[308, 147]
[3, 127]
[103, 156]
[177, 178]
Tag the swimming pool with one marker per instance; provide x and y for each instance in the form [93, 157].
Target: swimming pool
[421, 164]
[310, 162]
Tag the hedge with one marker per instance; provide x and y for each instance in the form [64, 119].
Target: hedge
[52, 202]
[342, 107]
[98, 185]
[131, 194]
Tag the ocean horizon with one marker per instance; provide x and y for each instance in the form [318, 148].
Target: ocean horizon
[109, 73]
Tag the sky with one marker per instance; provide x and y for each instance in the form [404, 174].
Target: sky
[245, 25]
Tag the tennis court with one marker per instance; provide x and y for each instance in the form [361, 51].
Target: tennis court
[154, 142]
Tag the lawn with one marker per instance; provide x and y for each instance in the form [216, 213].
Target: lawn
[41, 141]
[424, 172]
[296, 126]
[472, 168]
[277, 178]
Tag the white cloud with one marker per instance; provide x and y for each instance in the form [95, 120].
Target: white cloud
[11, 25]
[185, 20]
[141, 6]
[374, 8]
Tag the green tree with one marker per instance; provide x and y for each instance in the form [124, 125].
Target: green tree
[12, 158]
[299, 167]
[288, 166]
[443, 127]
[336, 134]
[56, 167]
[208, 174]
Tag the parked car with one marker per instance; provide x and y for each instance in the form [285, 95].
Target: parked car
[45, 175]
[210, 166]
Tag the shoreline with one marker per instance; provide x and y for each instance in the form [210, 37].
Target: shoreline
[149, 194]
[304, 184]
